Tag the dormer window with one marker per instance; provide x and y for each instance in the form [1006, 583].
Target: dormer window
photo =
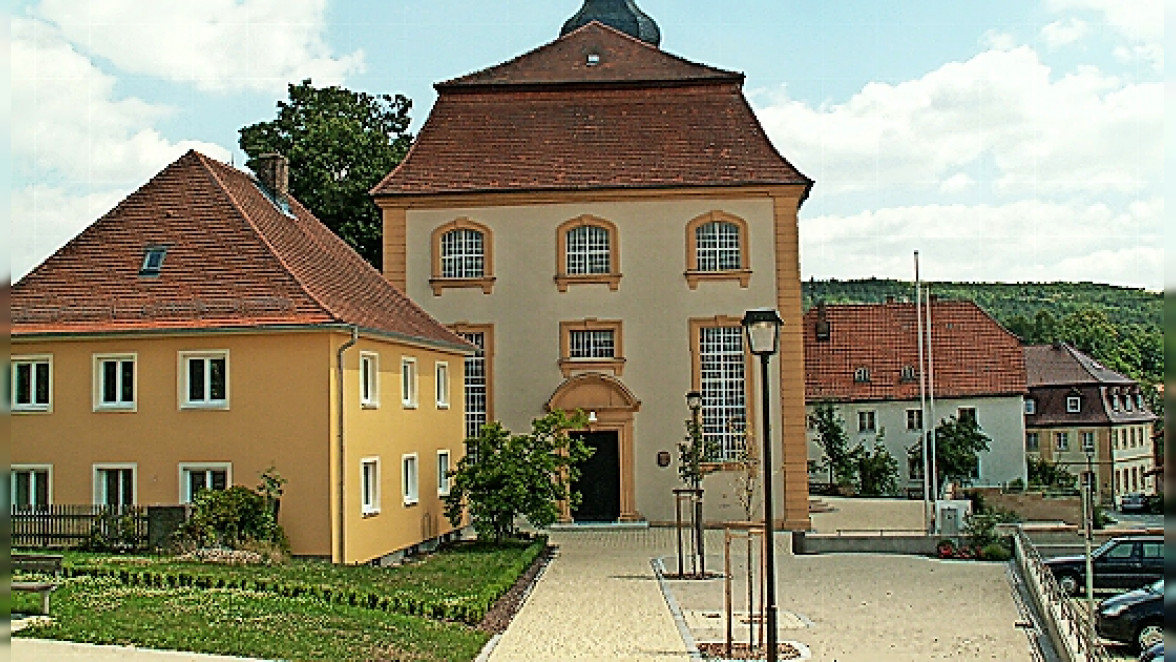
[1073, 404]
[593, 59]
[861, 376]
[1139, 401]
[908, 374]
[152, 260]
[1127, 402]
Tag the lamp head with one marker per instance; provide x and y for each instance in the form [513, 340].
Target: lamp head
[694, 400]
[763, 330]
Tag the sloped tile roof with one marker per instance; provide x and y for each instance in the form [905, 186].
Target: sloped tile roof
[973, 355]
[1065, 365]
[233, 260]
[547, 121]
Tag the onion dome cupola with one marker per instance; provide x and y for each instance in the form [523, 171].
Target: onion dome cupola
[621, 15]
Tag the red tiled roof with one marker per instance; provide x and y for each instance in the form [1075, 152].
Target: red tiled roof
[1064, 365]
[547, 121]
[972, 354]
[234, 260]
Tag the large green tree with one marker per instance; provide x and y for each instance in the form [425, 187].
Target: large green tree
[340, 144]
[836, 455]
[958, 444]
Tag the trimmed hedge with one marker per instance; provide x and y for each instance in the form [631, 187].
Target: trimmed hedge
[407, 600]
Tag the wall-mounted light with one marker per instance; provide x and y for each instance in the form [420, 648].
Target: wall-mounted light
[592, 418]
[663, 459]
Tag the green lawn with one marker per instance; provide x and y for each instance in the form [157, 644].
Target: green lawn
[304, 610]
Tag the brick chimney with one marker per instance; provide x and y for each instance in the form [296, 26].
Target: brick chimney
[273, 171]
[822, 328]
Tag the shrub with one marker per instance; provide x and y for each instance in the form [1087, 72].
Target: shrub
[995, 551]
[231, 518]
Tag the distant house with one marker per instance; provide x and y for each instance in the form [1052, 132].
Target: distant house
[864, 358]
[1075, 403]
[209, 327]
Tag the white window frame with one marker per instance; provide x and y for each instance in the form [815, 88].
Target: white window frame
[587, 248]
[873, 416]
[1030, 406]
[369, 488]
[1036, 446]
[409, 378]
[31, 468]
[463, 253]
[1088, 439]
[443, 469]
[1059, 437]
[441, 384]
[1073, 404]
[369, 381]
[718, 246]
[917, 415]
[410, 477]
[722, 368]
[32, 406]
[186, 468]
[99, 384]
[861, 375]
[592, 344]
[208, 356]
[475, 384]
[100, 485]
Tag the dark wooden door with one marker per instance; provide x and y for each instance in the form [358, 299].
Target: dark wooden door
[600, 479]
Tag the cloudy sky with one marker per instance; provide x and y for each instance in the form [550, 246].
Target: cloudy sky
[1009, 140]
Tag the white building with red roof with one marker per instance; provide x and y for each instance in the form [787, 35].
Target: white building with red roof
[864, 358]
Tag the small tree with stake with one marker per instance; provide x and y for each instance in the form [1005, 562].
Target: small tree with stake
[836, 454]
[693, 452]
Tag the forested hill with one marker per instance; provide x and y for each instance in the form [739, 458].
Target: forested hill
[1122, 327]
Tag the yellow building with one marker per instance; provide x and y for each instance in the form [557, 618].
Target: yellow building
[598, 215]
[208, 328]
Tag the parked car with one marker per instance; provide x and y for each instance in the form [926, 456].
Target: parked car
[1153, 654]
[1135, 617]
[1135, 502]
[1120, 563]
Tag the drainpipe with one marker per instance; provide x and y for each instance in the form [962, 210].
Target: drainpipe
[342, 467]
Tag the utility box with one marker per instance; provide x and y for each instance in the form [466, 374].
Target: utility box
[950, 515]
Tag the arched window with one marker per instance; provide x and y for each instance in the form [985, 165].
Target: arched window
[462, 254]
[462, 257]
[717, 246]
[588, 252]
[716, 249]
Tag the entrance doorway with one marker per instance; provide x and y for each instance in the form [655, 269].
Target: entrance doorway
[599, 484]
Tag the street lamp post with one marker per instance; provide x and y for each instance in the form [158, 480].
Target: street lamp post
[694, 402]
[763, 337]
[1088, 503]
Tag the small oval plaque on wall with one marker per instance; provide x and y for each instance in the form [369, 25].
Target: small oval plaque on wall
[663, 458]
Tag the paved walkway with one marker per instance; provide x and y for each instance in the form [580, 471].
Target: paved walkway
[598, 600]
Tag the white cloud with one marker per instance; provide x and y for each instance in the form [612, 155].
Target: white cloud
[1138, 20]
[70, 127]
[956, 183]
[67, 120]
[1027, 240]
[1065, 32]
[217, 45]
[45, 218]
[1083, 132]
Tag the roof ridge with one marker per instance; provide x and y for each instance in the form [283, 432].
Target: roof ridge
[208, 166]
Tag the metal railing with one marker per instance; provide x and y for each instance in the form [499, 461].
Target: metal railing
[1069, 621]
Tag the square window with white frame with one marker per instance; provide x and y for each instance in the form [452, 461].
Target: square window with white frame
[369, 380]
[32, 383]
[31, 485]
[441, 384]
[1062, 441]
[408, 382]
[409, 479]
[204, 379]
[443, 473]
[114, 382]
[1030, 407]
[114, 484]
[592, 344]
[1073, 404]
[867, 421]
[196, 477]
[369, 485]
[914, 420]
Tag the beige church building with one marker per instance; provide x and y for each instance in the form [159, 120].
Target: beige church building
[596, 216]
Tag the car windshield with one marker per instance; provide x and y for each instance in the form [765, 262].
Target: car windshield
[1156, 587]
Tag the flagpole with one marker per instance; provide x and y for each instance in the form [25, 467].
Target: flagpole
[922, 399]
[931, 400]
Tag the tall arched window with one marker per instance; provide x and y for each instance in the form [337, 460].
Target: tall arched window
[716, 249]
[462, 257]
[588, 252]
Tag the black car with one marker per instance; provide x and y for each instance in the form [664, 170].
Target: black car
[1120, 563]
[1135, 617]
[1135, 502]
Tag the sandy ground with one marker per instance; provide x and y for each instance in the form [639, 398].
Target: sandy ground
[883, 608]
